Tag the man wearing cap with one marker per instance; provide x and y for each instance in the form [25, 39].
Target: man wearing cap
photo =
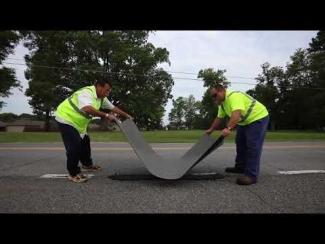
[251, 119]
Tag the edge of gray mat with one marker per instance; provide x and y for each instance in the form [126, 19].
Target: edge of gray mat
[193, 176]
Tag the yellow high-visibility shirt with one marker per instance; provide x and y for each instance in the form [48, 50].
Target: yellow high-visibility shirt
[251, 110]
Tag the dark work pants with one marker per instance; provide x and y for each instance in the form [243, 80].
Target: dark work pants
[249, 145]
[77, 148]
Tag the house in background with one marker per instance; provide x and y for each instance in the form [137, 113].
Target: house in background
[27, 125]
[3, 126]
[24, 125]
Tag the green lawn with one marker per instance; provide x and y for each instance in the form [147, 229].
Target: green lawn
[155, 136]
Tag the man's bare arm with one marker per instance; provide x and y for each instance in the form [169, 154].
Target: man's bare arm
[215, 124]
[92, 111]
[234, 119]
[121, 112]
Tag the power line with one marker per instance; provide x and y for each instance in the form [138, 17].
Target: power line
[234, 82]
[177, 72]
[63, 68]
[230, 76]
[132, 74]
[96, 71]
[20, 59]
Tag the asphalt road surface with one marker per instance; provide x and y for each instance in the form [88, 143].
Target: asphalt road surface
[23, 190]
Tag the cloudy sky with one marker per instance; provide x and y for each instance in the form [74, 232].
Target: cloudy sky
[241, 53]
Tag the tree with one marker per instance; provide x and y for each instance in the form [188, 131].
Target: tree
[8, 117]
[208, 109]
[316, 53]
[192, 109]
[177, 113]
[47, 70]
[8, 41]
[28, 116]
[317, 43]
[123, 57]
[184, 112]
[266, 91]
[139, 86]
[294, 95]
[300, 95]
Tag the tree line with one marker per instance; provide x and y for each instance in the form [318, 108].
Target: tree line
[60, 62]
[294, 95]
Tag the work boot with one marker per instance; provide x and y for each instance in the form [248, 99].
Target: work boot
[246, 180]
[91, 167]
[79, 178]
[235, 170]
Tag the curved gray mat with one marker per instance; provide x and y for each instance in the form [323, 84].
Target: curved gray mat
[167, 168]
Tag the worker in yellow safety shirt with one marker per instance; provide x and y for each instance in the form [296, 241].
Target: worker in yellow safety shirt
[251, 119]
[73, 116]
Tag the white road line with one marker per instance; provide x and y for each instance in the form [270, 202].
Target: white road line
[60, 176]
[296, 172]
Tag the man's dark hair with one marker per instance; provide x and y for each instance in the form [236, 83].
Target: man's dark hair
[218, 87]
[102, 82]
